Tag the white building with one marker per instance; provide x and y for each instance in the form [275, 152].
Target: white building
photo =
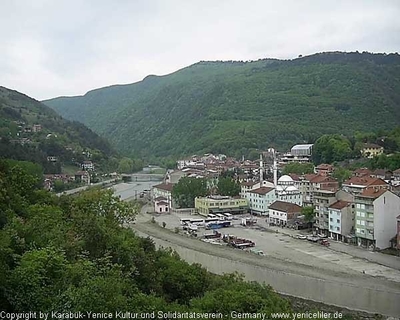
[259, 199]
[281, 212]
[287, 192]
[163, 190]
[376, 212]
[341, 220]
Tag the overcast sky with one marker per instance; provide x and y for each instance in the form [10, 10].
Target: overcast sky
[50, 48]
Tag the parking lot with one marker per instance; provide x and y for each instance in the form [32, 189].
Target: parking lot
[282, 244]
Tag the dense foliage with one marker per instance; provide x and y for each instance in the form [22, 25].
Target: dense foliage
[228, 187]
[67, 140]
[298, 168]
[187, 189]
[236, 107]
[72, 254]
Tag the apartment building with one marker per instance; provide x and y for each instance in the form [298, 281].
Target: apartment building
[341, 220]
[376, 212]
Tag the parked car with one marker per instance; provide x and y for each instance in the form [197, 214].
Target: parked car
[313, 238]
[301, 236]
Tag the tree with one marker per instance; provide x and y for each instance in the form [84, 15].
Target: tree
[330, 148]
[187, 189]
[298, 168]
[125, 165]
[341, 174]
[309, 214]
[228, 187]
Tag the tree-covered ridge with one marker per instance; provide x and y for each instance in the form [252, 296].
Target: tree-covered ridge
[72, 254]
[232, 107]
[52, 136]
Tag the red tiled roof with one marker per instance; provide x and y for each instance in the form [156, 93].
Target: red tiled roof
[165, 186]
[309, 176]
[373, 193]
[321, 178]
[364, 181]
[339, 204]
[285, 207]
[262, 190]
[362, 172]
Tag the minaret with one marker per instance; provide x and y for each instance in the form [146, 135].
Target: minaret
[275, 168]
[261, 171]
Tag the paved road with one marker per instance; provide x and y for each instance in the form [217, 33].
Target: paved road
[335, 275]
[72, 191]
[131, 190]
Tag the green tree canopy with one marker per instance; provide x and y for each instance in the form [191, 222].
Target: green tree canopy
[187, 189]
[228, 187]
[330, 148]
[298, 168]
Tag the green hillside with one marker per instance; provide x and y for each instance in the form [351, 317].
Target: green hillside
[31, 131]
[232, 107]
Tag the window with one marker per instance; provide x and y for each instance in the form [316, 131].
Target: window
[358, 222]
[358, 206]
[362, 214]
[337, 229]
[358, 213]
[358, 230]
[362, 222]
[337, 221]
[362, 231]
[363, 206]
[331, 219]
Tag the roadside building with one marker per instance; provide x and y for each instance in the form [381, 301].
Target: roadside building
[259, 200]
[163, 190]
[302, 150]
[341, 220]
[371, 150]
[220, 204]
[376, 213]
[362, 172]
[398, 232]
[82, 176]
[383, 174]
[282, 213]
[161, 205]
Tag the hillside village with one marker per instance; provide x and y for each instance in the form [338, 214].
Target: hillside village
[363, 210]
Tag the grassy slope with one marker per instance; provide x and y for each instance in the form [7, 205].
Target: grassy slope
[233, 106]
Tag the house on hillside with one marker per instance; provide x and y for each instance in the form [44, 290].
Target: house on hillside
[37, 128]
[371, 150]
[87, 165]
[82, 176]
[324, 169]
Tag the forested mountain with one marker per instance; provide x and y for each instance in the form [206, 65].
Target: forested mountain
[30, 130]
[232, 107]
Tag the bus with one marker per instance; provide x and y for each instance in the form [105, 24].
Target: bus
[211, 216]
[228, 216]
[185, 221]
[221, 216]
[198, 222]
[208, 220]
